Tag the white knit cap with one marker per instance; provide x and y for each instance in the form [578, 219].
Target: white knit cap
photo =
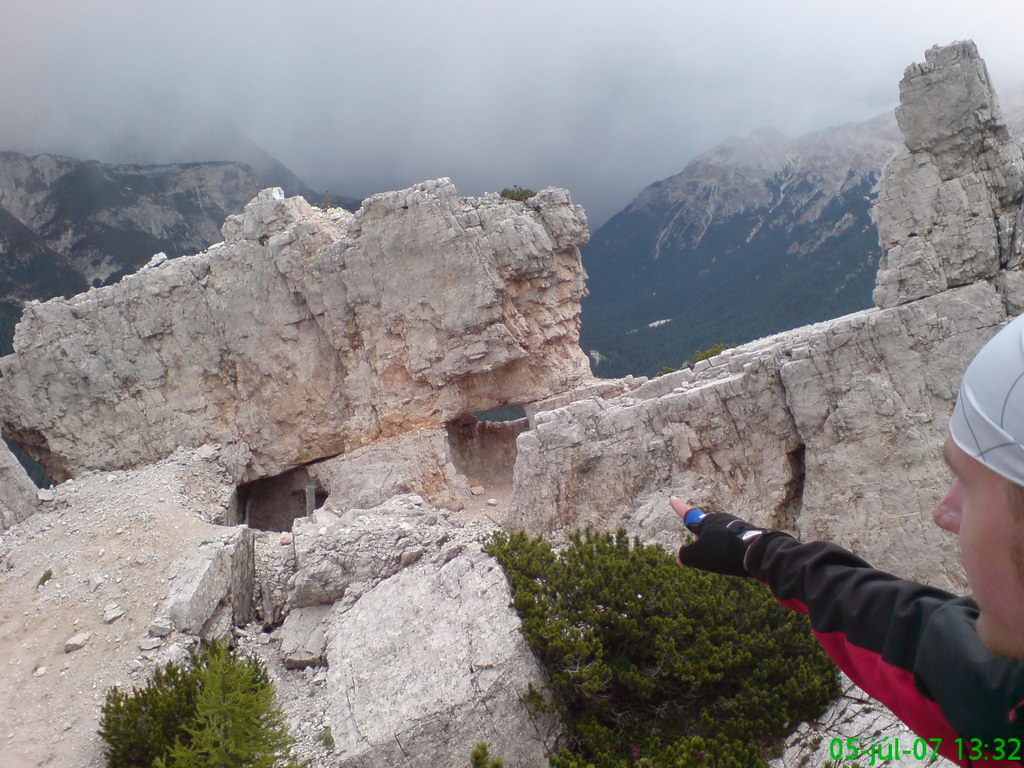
[988, 420]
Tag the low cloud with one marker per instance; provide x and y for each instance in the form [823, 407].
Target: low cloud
[602, 98]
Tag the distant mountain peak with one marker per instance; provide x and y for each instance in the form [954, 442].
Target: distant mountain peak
[760, 225]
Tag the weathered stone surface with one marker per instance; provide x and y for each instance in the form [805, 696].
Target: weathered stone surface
[830, 431]
[417, 462]
[218, 572]
[77, 642]
[303, 638]
[161, 626]
[949, 205]
[294, 341]
[429, 661]
[112, 612]
[240, 552]
[366, 546]
[275, 565]
[18, 494]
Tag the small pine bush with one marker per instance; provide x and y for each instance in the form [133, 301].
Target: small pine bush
[139, 727]
[704, 354]
[326, 202]
[481, 757]
[655, 665]
[215, 711]
[517, 193]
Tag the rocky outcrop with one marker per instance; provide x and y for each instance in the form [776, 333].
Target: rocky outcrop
[360, 547]
[307, 334]
[431, 662]
[216, 579]
[18, 495]
[417, 462]
[949, 208]
[832, 430]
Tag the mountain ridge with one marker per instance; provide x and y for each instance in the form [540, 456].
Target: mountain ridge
[730, 230]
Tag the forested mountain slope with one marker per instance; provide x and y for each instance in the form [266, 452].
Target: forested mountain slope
[758, 235]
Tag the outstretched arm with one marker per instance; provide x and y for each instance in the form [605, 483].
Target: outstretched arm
[912, 647]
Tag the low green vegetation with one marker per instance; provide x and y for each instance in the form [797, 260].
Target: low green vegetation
[481, 758]
[698, 355]
[326, 738]
[654, 665]
[327, 202]
[216, 710]
[517, 193]
[704, 354]
[47, 575]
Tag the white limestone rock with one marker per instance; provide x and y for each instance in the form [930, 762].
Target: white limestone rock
[417, 462]
[296, 340]
[77, 642]
[948, 205]
[112, 612]
[367, 546]
[429, 662]
[219, 572]
[303, 638]
[829, 431]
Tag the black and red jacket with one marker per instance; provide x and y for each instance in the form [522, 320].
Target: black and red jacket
[912, 647]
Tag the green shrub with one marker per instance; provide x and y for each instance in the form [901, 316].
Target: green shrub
[325, 737]
[47, 575]
[517, 193]
[657, 665]
[140, 727]
[215, 711]
[704, 354]
[327, 202]
[481, 758]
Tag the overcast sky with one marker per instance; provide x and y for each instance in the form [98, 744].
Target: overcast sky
[600, 97]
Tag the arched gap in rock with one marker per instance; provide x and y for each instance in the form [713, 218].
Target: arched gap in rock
[37, 472]
[273, 503]
[483, 446]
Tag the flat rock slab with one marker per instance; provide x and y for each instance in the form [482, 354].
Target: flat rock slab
[303, 637]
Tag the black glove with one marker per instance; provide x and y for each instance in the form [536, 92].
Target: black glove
[721, 545]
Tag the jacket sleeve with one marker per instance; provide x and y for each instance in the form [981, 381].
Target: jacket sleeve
[912, 647]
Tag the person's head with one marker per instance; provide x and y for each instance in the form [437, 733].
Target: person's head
[985, 505]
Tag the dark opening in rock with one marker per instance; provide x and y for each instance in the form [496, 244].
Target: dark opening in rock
[273, 503]
[483, 445]
[36, 472]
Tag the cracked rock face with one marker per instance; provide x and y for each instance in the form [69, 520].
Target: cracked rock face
[429, 663]
[832, 430]
[361, 548]
[307, 333]
[948, 206]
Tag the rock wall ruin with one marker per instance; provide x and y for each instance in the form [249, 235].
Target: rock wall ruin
[307, 334]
